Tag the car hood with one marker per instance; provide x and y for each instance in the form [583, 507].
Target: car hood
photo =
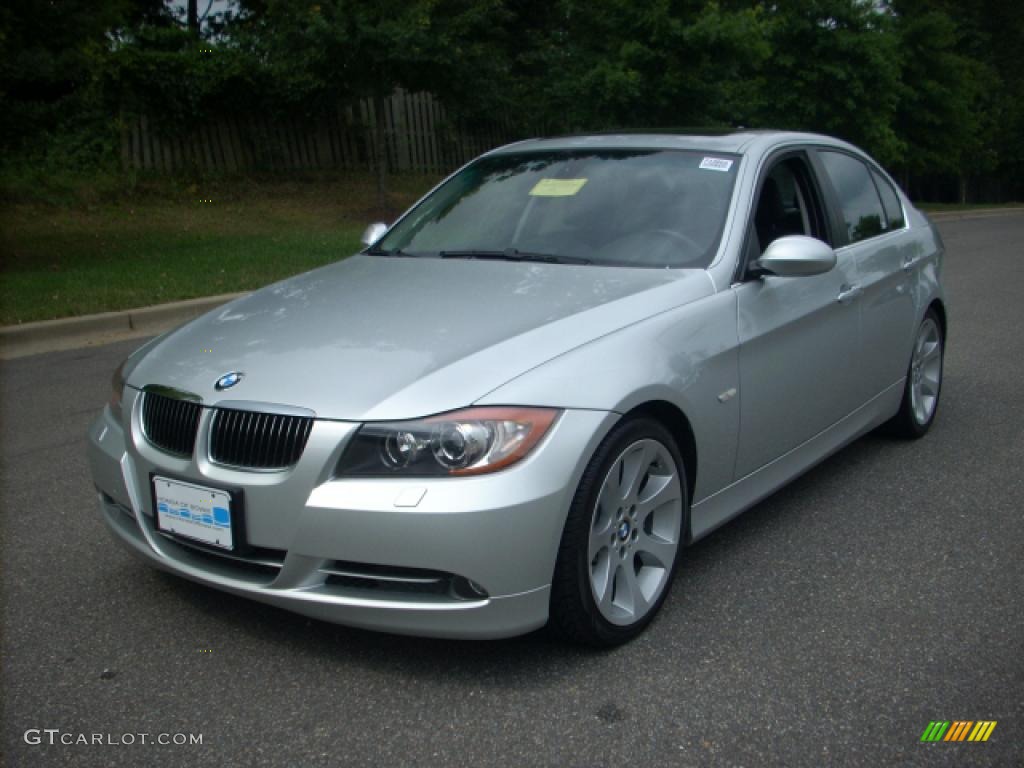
[382, 338]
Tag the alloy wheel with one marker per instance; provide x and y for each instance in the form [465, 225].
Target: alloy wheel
[926, 371]
[635, 532]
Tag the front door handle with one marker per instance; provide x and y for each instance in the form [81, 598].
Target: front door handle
[849, 292]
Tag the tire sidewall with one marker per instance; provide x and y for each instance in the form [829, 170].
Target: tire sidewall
[584, 507]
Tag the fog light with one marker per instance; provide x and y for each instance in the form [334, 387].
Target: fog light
[467, 589]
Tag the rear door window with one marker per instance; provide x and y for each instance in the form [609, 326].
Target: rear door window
[890, 202]
[858, 198]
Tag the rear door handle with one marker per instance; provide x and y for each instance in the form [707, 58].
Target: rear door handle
[908, 263]
[849, 292]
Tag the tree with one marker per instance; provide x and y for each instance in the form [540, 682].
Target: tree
[990, 37]
[615, 63]
[336, 50]
[834, 68]
[941, 116]
[50, 57]
[931, 86]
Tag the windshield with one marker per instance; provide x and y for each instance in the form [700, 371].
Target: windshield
[646, 208]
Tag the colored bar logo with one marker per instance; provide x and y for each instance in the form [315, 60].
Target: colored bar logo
[958, 730]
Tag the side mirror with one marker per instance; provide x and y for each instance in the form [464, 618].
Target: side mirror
[373, 233]
[795, 256]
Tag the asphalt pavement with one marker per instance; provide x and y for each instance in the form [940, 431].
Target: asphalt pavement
[826, 626]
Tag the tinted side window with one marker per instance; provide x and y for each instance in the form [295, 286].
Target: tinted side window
[858, 198]
[890, 201]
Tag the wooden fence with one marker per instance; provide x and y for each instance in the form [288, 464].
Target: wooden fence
[419, 138]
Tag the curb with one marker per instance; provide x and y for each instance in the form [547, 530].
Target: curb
[978, 213]
[104, 328]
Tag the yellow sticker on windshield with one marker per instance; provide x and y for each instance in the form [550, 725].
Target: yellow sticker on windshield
[557, 187]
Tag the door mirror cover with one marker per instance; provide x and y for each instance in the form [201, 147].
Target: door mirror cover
[373, 233]
[795, 256]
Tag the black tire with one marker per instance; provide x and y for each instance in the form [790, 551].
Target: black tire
[905, 424]
[574, 614]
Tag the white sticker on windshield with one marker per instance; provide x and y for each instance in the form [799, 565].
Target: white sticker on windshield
[716, 164]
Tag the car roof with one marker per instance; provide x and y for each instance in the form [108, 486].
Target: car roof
[737, 142]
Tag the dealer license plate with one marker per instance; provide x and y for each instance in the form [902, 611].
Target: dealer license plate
[193, 511]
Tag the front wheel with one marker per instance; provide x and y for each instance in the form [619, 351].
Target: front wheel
[620, 547]
[924, 382]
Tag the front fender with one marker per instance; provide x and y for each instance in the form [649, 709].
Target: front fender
[686, 356]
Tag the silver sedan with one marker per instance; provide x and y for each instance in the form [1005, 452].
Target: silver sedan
[523, 399]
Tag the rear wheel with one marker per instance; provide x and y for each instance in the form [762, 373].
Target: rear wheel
[620, 547]
[924, 382]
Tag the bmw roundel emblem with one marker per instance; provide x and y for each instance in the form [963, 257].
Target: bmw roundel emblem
[228, 380]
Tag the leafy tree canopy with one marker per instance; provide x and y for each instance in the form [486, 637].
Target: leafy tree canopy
[929, 86]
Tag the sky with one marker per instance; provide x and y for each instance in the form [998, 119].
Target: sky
[217, 6]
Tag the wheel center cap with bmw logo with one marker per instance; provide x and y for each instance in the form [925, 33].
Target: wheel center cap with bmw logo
[228, 380]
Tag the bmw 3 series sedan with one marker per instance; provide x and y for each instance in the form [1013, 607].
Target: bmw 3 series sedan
[522, 401]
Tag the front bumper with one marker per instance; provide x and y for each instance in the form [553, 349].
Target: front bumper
[498, 532]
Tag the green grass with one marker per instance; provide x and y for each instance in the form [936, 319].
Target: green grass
[166, 243]
[113, 243]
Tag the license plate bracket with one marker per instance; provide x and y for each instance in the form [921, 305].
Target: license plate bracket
[201, 514]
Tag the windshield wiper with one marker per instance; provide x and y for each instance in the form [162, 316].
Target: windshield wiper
[514, 254]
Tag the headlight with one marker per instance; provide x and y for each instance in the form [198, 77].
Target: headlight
[468, 442]
[117, 391]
